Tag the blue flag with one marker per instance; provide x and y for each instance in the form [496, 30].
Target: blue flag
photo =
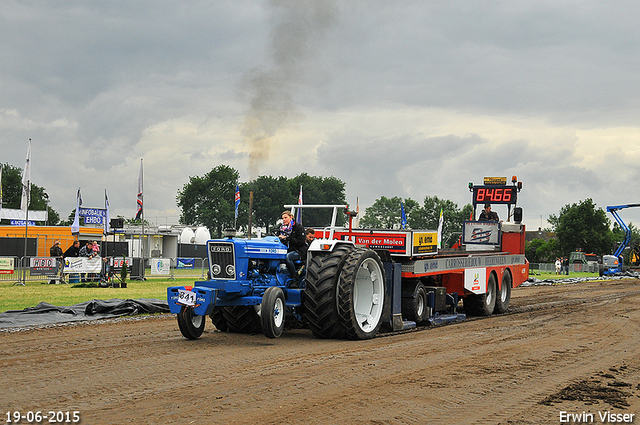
[404, 216]
[237, 199]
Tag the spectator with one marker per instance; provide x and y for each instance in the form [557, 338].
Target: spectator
[56, 252]
[73, 250]
[558, 265]
[86, 251]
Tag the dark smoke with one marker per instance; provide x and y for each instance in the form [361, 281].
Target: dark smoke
[299, 25]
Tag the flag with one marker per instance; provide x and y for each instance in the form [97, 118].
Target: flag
[1, 166]
[299, 213]
[237, 199]
[139, 215]
[404, 216]
[26, 181]
[75, 227]
[107, 218]
[440, 223]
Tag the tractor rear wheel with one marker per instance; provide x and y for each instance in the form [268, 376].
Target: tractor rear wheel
[504, 295]
[191, 325]
[272, 312]
[218, 320]
[361, 293]
[320, 303]
[242, 319]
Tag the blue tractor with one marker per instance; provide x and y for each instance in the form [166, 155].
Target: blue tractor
[340, 291]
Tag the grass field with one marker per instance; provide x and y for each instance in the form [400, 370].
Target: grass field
[549, 275]
[19, 297]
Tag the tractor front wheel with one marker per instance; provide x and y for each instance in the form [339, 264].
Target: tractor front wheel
[272, 312]
[191, 325]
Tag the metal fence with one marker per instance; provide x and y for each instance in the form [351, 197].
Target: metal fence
[573, 268]
[21, 272]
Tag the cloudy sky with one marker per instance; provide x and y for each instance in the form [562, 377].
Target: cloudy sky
[402, 98]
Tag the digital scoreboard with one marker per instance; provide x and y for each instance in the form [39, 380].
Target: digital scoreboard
[495, 195]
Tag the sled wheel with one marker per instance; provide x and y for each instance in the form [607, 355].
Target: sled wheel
[414, 302]
[191, 325]
[320, 303]
[504, 295]
[272, 312]
[482, 304]
[361, 291]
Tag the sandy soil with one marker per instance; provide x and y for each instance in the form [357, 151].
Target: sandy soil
[571, 348]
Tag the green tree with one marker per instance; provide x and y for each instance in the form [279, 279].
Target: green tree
[319, 191]
[12, 194]
[209, 200]
[428, 217]
[269, 196]
[542, 251]
[386, 213]
[582, 226]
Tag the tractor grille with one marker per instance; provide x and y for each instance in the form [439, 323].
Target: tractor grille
[222, 260]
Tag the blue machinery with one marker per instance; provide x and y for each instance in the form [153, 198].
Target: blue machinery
[613, 263]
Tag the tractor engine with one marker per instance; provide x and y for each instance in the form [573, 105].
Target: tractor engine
[241, 267]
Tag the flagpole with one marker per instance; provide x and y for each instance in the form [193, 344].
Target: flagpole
[26, 188]
[142, 238]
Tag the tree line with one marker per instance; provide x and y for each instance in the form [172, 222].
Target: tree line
[208, 201]
[578, 227]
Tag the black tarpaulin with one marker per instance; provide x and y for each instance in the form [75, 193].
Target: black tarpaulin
[45, 313]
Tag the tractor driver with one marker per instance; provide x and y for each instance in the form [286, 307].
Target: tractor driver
[292, 234]
[488, 215]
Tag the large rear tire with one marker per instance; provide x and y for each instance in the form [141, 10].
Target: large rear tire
[218, 320]
[191, 325]
[242, 319]
[361, 293]
[414, 302]
[272, 312]
[482, 304]
[320, 303]
[504, 295]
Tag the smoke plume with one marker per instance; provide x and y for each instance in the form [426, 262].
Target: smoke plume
[298, 26]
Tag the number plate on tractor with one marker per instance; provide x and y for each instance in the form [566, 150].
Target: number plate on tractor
[186, 297]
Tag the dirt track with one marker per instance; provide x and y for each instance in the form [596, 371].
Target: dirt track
[570, 348]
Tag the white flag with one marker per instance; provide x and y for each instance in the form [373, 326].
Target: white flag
[139, 213]
[26, 181]
[440, 223]
[106, 218]
[75, 227]
[1, 167]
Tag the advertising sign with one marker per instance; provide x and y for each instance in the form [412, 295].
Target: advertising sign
[425, 242]
[475, 280]
[6, 265]
[82, 265]
[160, 266]
[186, 263]
[93, 215]
[481, 232]
[43, 266]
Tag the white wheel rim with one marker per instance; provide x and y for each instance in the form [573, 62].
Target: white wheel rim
[278, 312]
[368, 295]
[196, 320]
[421, 303]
